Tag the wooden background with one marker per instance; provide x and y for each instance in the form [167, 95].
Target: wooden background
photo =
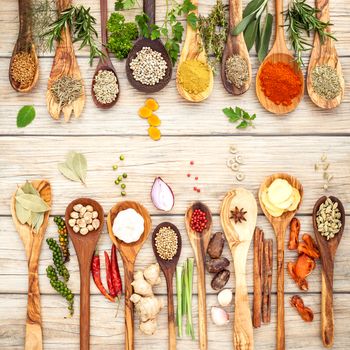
[198, 132]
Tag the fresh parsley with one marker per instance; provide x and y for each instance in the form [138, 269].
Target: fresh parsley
[238, 114]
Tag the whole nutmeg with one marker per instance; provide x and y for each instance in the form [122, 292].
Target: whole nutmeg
[216, 245]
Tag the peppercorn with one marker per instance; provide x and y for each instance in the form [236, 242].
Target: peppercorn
[120, 178]
[121, 157]
[123, 193]
[125, 175]
[122, 186]
[63, 237]
[116, 182]
[115, 167]
[58, 259]
[198, 221]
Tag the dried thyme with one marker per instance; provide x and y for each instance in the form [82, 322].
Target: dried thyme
[236, 70]
[66, 90]
[325, 82]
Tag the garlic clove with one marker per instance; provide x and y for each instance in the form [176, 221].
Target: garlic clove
[219, 316]
[225, 297]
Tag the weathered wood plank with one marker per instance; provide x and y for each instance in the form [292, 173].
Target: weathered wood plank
[107, 332]
[13, 267]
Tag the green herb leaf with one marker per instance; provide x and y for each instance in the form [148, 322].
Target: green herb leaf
[32, 202]
[258, 36]
[25, 116]
[22, 214]
[75, 167]
[265, 38]
[253, 6]
[250, 33]
[239, 115]
[80, 166]
[29, 188]
[68, 172]
[192, 20]
[242, 25]
[187, 6]
[243, 124]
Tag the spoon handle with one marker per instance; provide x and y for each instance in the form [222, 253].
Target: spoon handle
[129, 308]
[171, 318]
[327, 320]
[25, 25]
[149, 8]
[235, 13]
[104, 16]
[279, 23]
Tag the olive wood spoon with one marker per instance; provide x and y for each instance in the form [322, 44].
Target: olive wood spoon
[279, 53]
[239, 236]
[32, 244]
[84, 246]
[324, 54]
[128, 252]
[199, 242]
[235, 45]
[168, 267]
[105, 62]
[280, 225]
[149, 8]
[328, 250]
[64, 64]
[193, 49]
[25, 43]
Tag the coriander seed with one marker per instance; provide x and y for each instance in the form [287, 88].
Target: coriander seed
[166, 243]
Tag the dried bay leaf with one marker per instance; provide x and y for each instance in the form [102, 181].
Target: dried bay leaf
[22, 214]
[67, 172]
[37, 220]
[80, 166]
[75, 167]
[29, 188]
[32, 202]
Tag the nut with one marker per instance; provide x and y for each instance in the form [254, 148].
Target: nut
[88, 215]
[82, 211]
[94, 214]
[77, 207]
[96, 223]
[72, 222]
[89, 208]
[84, 231]
[81, 223]
[90, 227]
[76, 228]
[74, 215]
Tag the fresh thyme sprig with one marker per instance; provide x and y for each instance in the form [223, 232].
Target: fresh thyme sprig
[81, 23]
[301, 19]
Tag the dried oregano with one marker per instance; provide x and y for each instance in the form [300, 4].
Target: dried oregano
[75, 167]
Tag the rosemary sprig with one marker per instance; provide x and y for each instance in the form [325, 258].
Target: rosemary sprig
[301, 19]
[81, 23]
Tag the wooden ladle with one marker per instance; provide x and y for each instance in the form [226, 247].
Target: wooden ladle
[235, 45]
[199, 242]
[149, 8]
[84, 247]
[324, 54]
[25, 43]
[128, 252]
[279, 53]
[328, 250]
[32, 244]
[239, 235]
[280, 225]
[168, 267]
[64, 64]
[105, 62]
[193, 49]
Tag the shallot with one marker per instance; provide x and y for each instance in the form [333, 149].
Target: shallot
[162, 196]
[219, 316]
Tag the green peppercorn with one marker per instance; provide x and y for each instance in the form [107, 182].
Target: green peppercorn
[115, 167]
[125, 175]
[120, 178]
[122, 157]
[122, 186]
[123, 193]
[116, 182]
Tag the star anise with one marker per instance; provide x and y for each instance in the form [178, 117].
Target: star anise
[238, 215]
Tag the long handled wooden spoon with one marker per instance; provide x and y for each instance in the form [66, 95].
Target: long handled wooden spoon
[238, 219]
[280, 225]
[328, 248]
[168, 267]
[324, 54]
[32, 244]
[128, 252]
[193, 49]
[199, 242]
[84, 247]
[105, 62]
[64, 64]
[25, 43]
[235, 46]
[279, 53]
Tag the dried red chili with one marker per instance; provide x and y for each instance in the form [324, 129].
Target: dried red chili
[309, 247]
[198, 221]
[111, 287]
[305, 312]
[294, 234]
[115, 273]
[96, 275]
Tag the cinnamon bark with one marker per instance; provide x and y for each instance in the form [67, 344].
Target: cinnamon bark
[267, 280]
[258, 264]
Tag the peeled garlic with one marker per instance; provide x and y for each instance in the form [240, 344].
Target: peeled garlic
[219, 316]
[225, 297]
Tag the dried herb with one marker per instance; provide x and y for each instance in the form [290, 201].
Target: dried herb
[75, 167]
[301, 20]
[239, 115]
[238, 215]
[81, 23]
[256, 26]
[325, 81]
[25, 116]
[66, 90]
[213, 30]
[236, 70]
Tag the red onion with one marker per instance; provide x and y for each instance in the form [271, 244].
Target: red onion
[162, 196]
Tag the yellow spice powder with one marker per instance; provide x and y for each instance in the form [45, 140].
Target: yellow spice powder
[194, 76]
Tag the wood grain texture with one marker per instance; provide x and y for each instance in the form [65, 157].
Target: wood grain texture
[64, 64]
[239, 236]
[199, 243]
[324, 53]
[84, 247]
[328, 250]
[128, 252]
[280, 225]
[32, 245]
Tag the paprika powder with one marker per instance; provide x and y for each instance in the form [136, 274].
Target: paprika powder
[280, 83]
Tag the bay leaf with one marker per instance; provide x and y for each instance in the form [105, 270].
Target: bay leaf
[29, 188]
[37, 220]
[70, 159]
[32, 202]
[80, 166]
[22, 214]
[67, 172]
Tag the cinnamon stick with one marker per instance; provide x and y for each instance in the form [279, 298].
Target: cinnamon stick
[267, 280]
[258, 264]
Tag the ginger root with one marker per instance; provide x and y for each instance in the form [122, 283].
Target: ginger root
[148, 327]
[141, 286]
[148, 307]
[151, 274]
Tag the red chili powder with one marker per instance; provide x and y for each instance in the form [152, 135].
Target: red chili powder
[280, 83]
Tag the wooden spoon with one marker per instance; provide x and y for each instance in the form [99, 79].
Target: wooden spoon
[32, 244]
[105, 62]
[199, 242]
[84, 247]
[128, 252]
[280, 225]
[279, 53]
[328, 250]
[193, 49]
[149, 8]
[235, 45]
[64, 64]
[239, 235]
[25, 44]
[324, 54]
[168, 267]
